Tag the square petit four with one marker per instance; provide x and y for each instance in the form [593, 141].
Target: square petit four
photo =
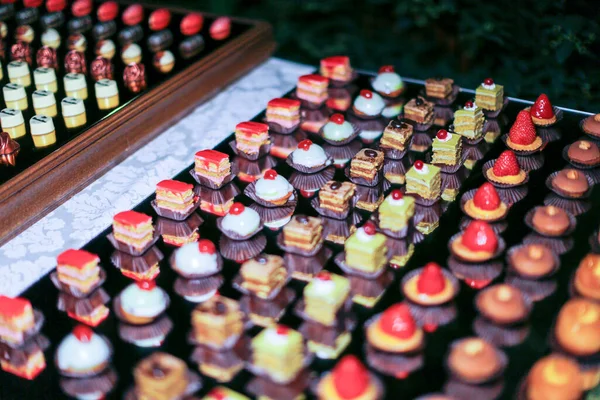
[133, 228]
[438, 88]
[396, 135]
[216, 321]
[468, 122]
[424, 180]
[366, 249]
[27, 361]
[337, 68]
[250, 136]
[489, 95]
[284, 112]
[396, 211]
[336, 196]
[324, 296]
[160, 376]
[312, 88]
[16, 318]
[213, 165]
[366, 164]
[78, 269]
[279, 352]
[263, 275]
[304, 233]
[419, 110]
[175, 196]
[447, 148]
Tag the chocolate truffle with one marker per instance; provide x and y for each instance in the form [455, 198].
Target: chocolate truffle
[554, 378]
[577, 327]
[571, 182]
[587, 277]
[584, 152]
[532, 260]
[502, 304]
[550, 220]
[474, 360]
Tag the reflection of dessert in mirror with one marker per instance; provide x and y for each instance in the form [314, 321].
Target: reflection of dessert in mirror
[303, 233]
[161, 376]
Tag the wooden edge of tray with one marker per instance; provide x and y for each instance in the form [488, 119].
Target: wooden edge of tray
[44, 186]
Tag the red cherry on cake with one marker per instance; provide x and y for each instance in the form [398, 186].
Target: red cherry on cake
[270, 174]
[419, 165]
[486, 197]
[146, 284]
[479, 236]
[397, 194]
[83, 333]
[488, 81]
[523, 131]
[386, 68]
[507, 164]
[206, 246]
[442, 134]
[350, 377]
[367, 94]
[469, 104]
[337, 118]
[282, 330]
[305, 144]
[542, 108]
[237, 209]
[369, 228]
[397, 321]
[324, 276]
[431, 280]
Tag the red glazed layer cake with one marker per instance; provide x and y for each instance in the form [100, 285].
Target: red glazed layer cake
[78, 269]
[337, 68]
[312, 88]
[250, 136]
[175, 196]
[16, 318]
[212, 165]
[285, 112]
[133, 228]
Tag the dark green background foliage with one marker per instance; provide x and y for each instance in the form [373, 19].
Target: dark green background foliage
[550, 46]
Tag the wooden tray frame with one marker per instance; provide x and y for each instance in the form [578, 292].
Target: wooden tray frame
[53, 180]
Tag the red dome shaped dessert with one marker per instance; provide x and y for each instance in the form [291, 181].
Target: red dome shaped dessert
[486, 204]
[429, 286]
[395, 330]
[506, 170]
[477, 243]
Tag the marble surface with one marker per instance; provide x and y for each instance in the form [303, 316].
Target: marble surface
[33, 253]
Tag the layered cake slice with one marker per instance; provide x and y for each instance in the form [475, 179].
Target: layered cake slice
[250, 136]
[424, 180]
[366, 249]
[285, 112]
[263, 275]
[337, 68]
[133, 228]
[212, 165]
[396, 135]
[78, 269]
[447, 148]
[468, 122]
[395, 211]
[312, 88]
[366, 164]
[489, 95]
[438, 87]
[279, 352]
[217, 320]
[336, 196]
[304, 233]
[419, 110]
[324, 296]
[16, 318]
[175, 196]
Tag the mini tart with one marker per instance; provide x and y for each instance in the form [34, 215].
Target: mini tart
[554, 377]
[550, 220]
[587, 277]
[591, 125]
[462, 251]
[577, 328]
[502, 304]
[535, 145]
[474, 360]
[383, 341]
[532, 260]
[411, 291]
[506, 180]
[542, 121]
[485, 215]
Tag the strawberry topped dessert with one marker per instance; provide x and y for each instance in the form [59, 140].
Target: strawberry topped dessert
[506, 170]
[349, 380]
[522, 135]
[429, 286]
[486, 205]
[542, 112]
[477, 243]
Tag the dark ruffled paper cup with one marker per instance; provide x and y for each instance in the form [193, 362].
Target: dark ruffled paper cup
[421, 142]
[342, 154]
[367, 291]
[75, 292]
[513, 195]
[368, 198]
[266, 312]
[282, 130]
[198, 290]
[221, 365]
[576, 164]
[567, 195]
[103, 383]
[305, 104]
[550, 134]
[308, 170]
[594, 242]
[478, 275]
[250, 191]
[309, 184]
[568, 232]
[82, 307]
[283, 145]
[273, 218]
[305, 268]
[472, 154]
[241, 250]
[151, 335]
[20, 356]
[489, 165]
[575, 207]
[175, 216]
[343, 142]
[204, 181]
[394, 171]
[301, 252]
[125, 248]
[557, 245]
[421, 126]
[338, 230]
[442, 115]
[340, 261]
[396, 154]
[176, 233]
[446, 101]
[325, 212]
[491, 130]
[218, 202]
[364, 181]
[427, 219]
[430, 318]
[264, 388]
[400, 251]
[370, 130]
[313, 120]
[532, 162]
[499, 335]
[451, 185]
[397, 365]
[461, 390]
[262, 151]
[496, 113]
[138, 267]
[249, 171]
[535, 289]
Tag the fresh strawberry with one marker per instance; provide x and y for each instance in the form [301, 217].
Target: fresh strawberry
[486, 197]
[431, 280]
[398, 321]
[523, 131]
[542, 108]
[479, 236]
[507, 164]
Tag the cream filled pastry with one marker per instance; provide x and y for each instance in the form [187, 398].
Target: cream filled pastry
[143, 301]
[309, 154]
[73, 111]
[83, 352]
[337, 128]
[44, 103]
[196, 259]
[15, 96]
[75, 86]
[18, 72]
[45, 79]
[107, 94]
[368, 104]
[12, 122]
[42, 130]
[240, 220]
[132, 53]
[51, 38]
[388, 82]
[273, 188]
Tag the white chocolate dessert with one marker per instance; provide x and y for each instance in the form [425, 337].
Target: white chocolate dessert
[164, 61]
[18, 72]
[12, 122]
[132, 53]
[51, 38]
[106, 48]
[42, 131]
[44, 103]
[107, 94]
[75, 86]
[45, 79]
[15, 96]
[73, 111]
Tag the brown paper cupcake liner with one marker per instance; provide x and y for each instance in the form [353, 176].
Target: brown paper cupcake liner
[277, 128]
[194, 385]
[417, 237]
[371, 131]
[421, 126]
[461, 390]
[591, 135]
[363, 181]
[498, 335]
[239, 250]
[518, 152]
[532, 162]
[151, 335]
[549, 134]
[489, 165]
[326, 336]
[266, 312]
[370, 288]
[312, 127]
[394, 171]
[250, 191]
[528, 303]
[502, 361]
[567, 195]
[305, 268]
[593, 174]
[568, 232]
[218, 197]
[264, 388]
[88, 374]
[273, 218]
[138, 265]
[236, 236]
[342, 154]
[469, 195]
[308, 170]
[397, 365]
[514, 195]
[499, 250]
[283, 145]
[575, 207]
[557, 245]
[301, 252]
[442, 115]
[19, 356]
[368, 198]
[410, 275]
[82, 307]
[576, 164]
[445, 168]
[446, 101]
[73, 291]
[337, 231]
[125, 248]
[198, 289]
[227, 359]
[427, 215]
[397, 234]
[474, 153]
[123, 318]
[311, 182]
[557, 112]
[395, 154]
[173, 263]
[262, 151]
[452, 181]
[82, 387]
[238, 284]
[343, 142]
[422, 201]
[249, 171]
[496, 113]
[536, 290]
[325, 212]
[481, 272]
[594, 242]
[421, 142]
[180, 229]
[38, 321]
[512, 269]
[340, 261]
[175, 216]
[204, 181]
[430, 318]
